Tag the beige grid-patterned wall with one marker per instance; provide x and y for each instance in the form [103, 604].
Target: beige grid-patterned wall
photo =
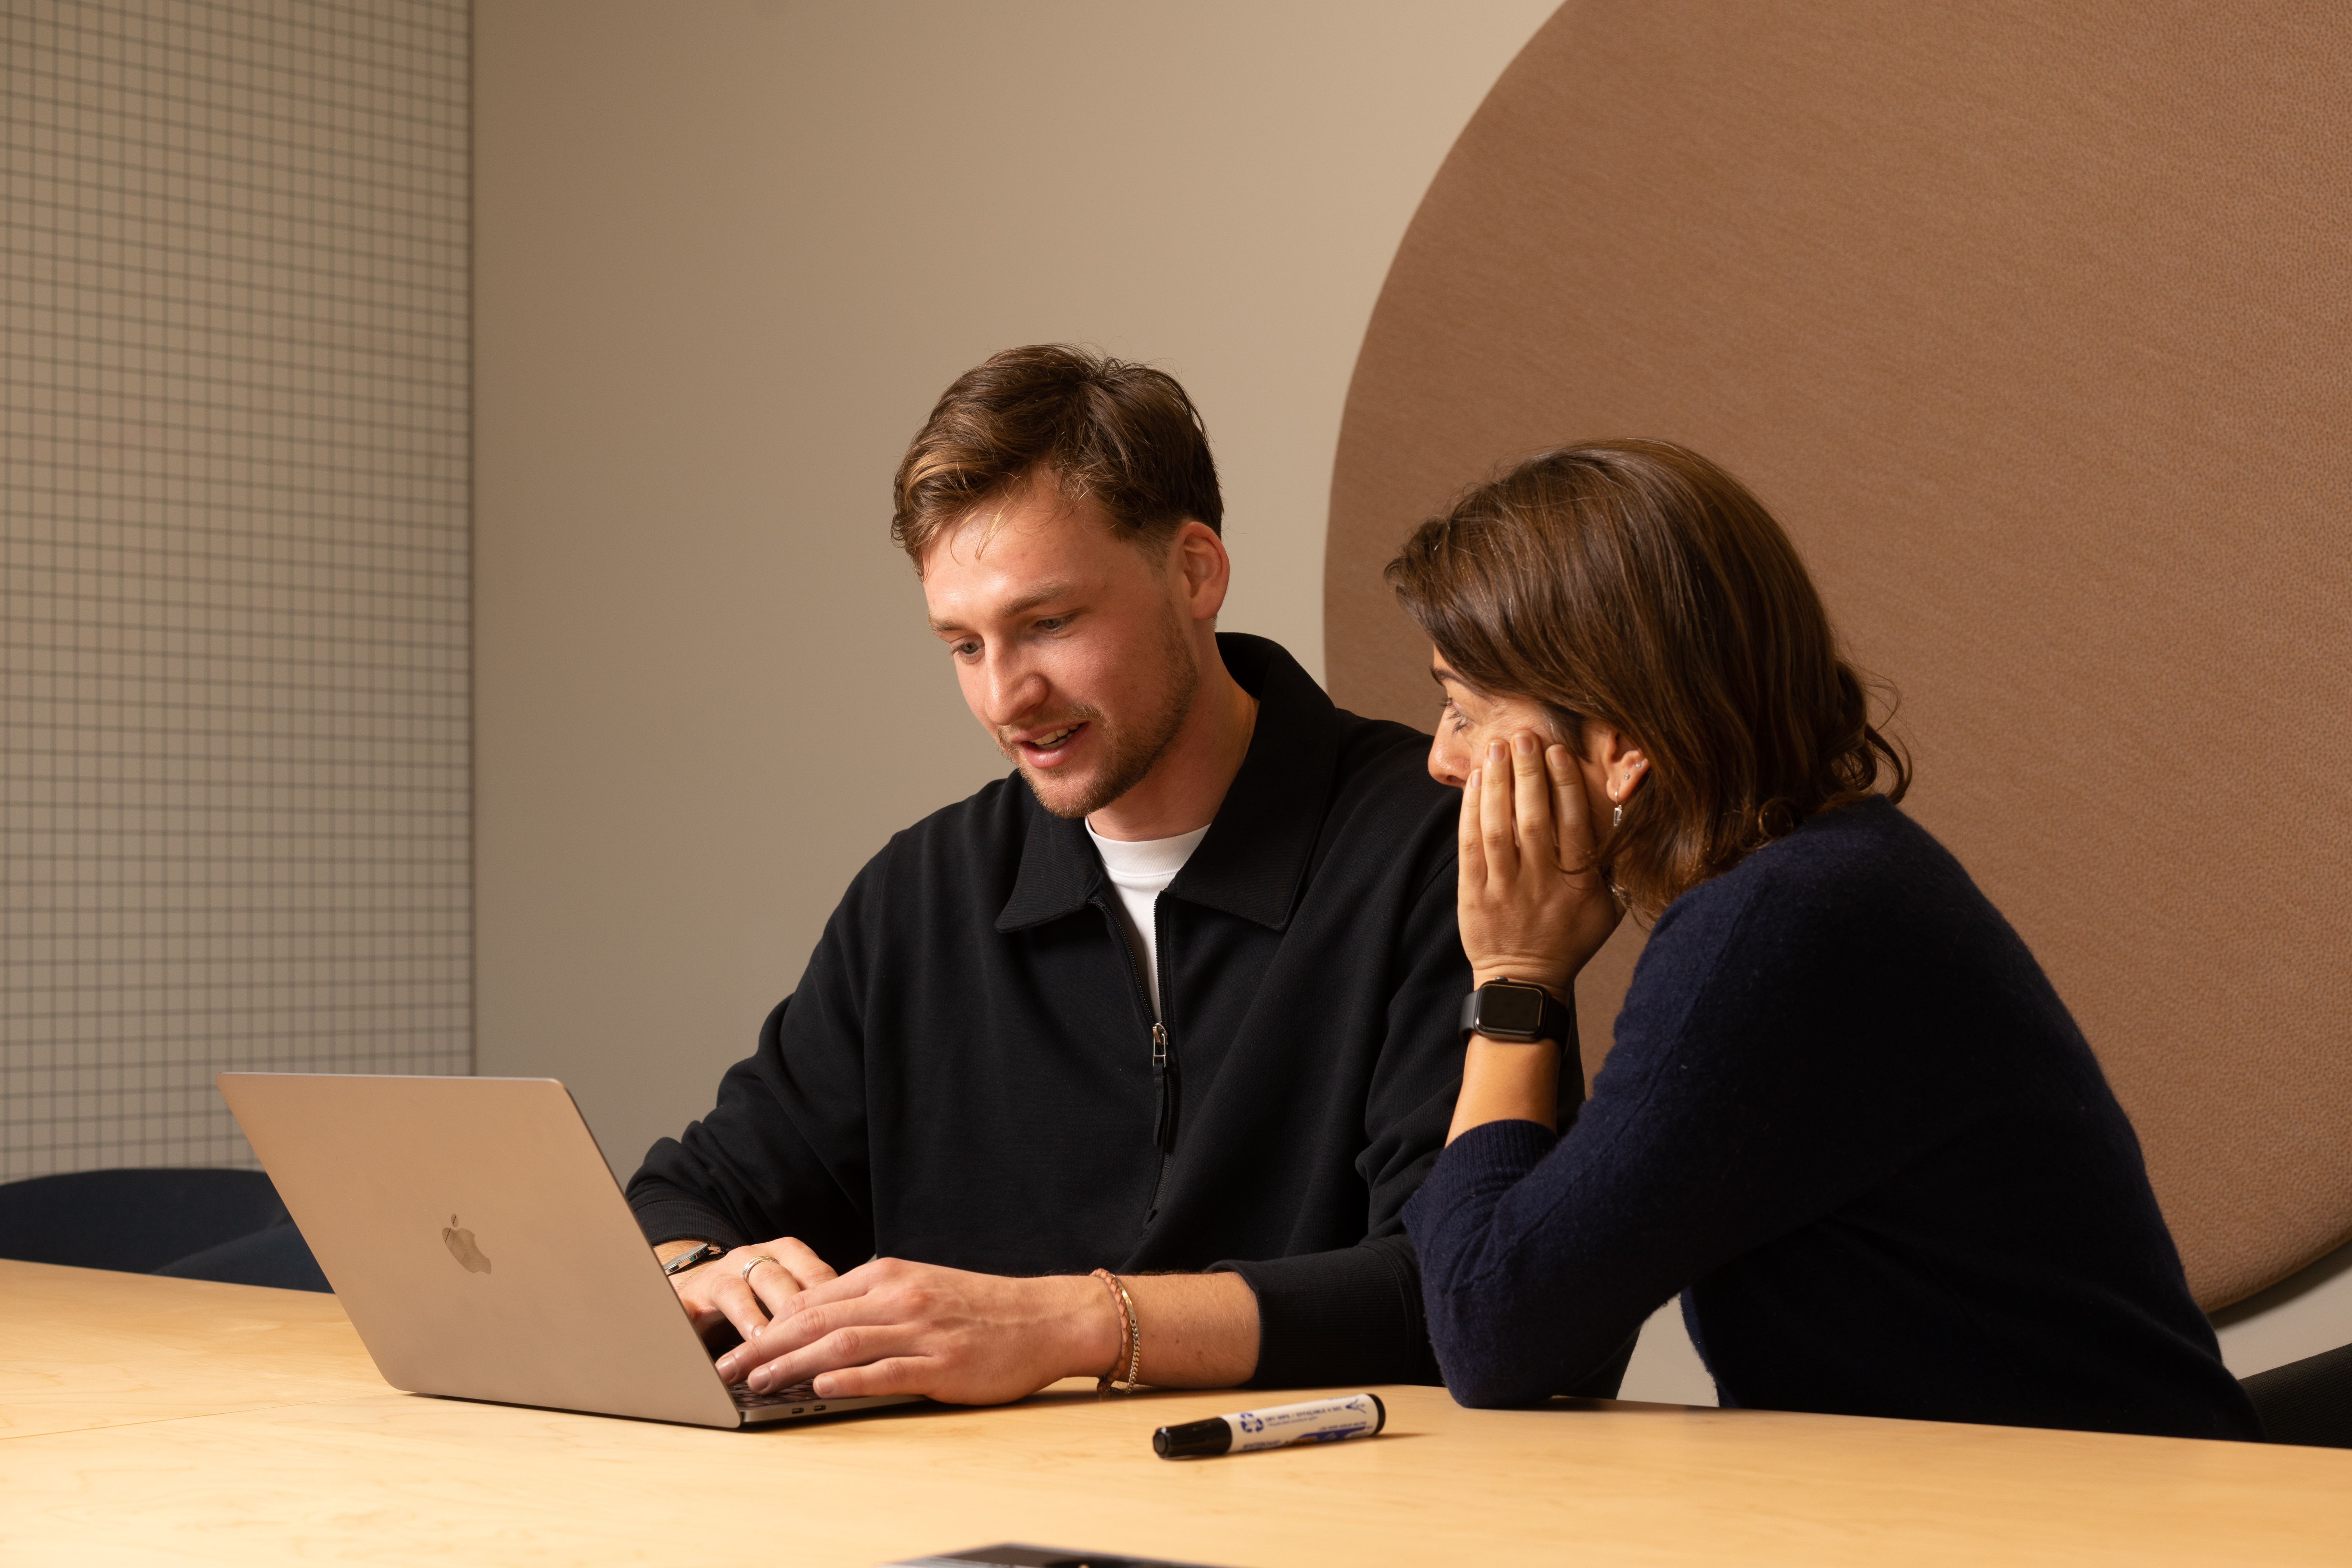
[234, 689]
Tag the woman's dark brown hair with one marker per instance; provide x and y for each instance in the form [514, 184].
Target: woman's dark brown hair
[1636, 584]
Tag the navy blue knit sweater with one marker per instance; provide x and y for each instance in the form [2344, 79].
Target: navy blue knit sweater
[1849, 1119]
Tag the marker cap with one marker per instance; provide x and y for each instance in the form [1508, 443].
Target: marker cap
[1193, 1440]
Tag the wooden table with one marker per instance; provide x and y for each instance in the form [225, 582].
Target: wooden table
[146, 1420]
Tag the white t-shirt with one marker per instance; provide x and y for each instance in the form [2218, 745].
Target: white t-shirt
[1140, 869]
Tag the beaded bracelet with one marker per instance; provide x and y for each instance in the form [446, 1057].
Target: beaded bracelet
[1131, 1340]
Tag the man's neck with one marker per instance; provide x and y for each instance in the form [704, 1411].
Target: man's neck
[1183, 792]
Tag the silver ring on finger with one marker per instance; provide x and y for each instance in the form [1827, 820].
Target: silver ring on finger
[754, 1263]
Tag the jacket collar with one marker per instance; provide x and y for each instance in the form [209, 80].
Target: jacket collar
[1255, 857]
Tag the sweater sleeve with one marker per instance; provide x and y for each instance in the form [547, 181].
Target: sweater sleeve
[1744, 1098]
[783, 1153]
[1355, 1315]
[1350, 1315]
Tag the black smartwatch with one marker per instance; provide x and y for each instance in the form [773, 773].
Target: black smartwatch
[1521, 1013]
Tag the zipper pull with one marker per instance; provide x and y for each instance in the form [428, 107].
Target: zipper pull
[1165, 1133]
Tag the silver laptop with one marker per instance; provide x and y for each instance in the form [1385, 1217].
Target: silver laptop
[475, 1236]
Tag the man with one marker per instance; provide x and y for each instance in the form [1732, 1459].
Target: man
[1178, 999]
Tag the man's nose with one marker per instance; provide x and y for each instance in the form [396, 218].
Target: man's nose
[1012, 689]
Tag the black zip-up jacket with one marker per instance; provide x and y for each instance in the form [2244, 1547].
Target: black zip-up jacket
[968, 1074]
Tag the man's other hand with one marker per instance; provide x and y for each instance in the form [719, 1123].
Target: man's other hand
[894, 1327]
[722, 1291]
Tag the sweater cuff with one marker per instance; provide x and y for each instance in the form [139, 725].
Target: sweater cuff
[1489, 1158]
[671, 1216]
[1351, 1316]
[1498, 1154]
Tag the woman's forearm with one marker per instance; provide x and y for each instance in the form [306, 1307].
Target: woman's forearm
[1506, 1082]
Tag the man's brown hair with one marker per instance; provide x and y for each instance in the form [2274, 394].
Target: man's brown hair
[1122, 436]
[1637, 583]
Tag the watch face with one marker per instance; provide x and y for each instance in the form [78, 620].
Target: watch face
[1510, 1010]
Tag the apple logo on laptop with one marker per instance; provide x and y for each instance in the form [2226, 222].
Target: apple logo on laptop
[461, 1247]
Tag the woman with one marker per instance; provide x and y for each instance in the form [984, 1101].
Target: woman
[1847, 1115]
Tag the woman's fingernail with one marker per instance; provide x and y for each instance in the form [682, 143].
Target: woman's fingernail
[1526, 744]
[1472, 781]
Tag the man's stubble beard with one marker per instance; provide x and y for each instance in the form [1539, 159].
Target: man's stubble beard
[1136, 751]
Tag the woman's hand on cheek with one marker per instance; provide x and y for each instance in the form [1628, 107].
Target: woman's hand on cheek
[1532, 905]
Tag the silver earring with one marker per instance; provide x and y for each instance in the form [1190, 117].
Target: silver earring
[1616, 815]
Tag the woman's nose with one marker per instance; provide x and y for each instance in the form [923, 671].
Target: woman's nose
[1447, 761]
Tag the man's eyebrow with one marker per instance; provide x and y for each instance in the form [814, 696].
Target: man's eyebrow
[1045, 595]
[1020, 606]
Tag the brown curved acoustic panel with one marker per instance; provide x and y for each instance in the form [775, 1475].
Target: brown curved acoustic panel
[2031, 322]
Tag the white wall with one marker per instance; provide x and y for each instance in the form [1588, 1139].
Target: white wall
[2300, 1316]
[727, 257]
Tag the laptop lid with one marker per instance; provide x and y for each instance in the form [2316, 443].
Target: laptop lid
[475, 1236]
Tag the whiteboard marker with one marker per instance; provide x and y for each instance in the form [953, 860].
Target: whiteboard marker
[1317, 1421]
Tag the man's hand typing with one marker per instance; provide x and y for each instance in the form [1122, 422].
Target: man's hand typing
[894, 1327]
[746, 1288]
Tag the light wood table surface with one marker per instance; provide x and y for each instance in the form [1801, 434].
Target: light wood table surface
[146, 1420]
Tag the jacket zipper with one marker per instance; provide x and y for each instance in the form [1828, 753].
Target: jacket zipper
[1163, 1071]
[1163, 1132]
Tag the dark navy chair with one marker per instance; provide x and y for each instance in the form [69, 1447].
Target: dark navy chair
[2307, 1401]
[228, 1225]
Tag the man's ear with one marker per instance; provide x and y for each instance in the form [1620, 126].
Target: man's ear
[1207, 569]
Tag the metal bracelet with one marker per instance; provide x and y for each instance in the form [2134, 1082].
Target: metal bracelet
[1130, 1349]
[692, 1257]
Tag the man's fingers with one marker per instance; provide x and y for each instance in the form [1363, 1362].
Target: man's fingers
[892, 1374]
[775, 1285]
[797, 1319]
[838, 1345]
[792, 1268]
[841, 1288]
[735, 1300]
[849, 1301]
[801, 1260]
[814, 1312]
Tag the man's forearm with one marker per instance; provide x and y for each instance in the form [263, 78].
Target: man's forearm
[1199, 1331]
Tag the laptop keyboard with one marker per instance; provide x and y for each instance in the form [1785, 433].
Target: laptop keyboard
[798, 1393]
